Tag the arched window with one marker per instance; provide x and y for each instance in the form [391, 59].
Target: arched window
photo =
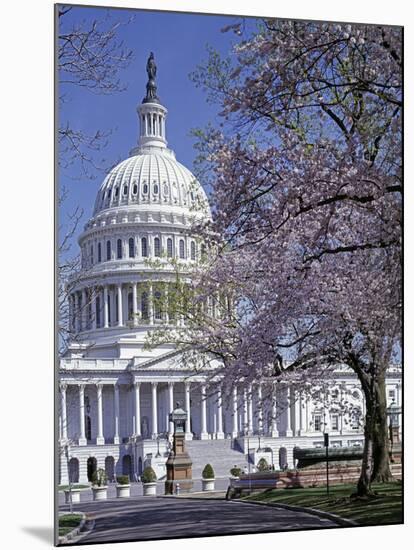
[74, 470]
[144, 305]
[135, 189]
[144, 247]
[157, 247]
[182, 249]
[108, 250]
[92, 254]
[193, 250]
[91, 464]
[145, 189]
[116, 308]
[110, 467]
[131, 247]
[155, 189]
[127, 466]
[116, 191]
[157, 305]
[169, 248]
[125, 189]
[119, 249]
[99, 252]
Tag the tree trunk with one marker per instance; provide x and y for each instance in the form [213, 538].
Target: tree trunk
[375, 461]
[381, 471]
[364, 482]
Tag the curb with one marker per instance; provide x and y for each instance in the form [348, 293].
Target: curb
[75, 532]
[343, 522]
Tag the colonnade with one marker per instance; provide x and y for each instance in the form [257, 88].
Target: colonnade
[116, 304]
[242, 412]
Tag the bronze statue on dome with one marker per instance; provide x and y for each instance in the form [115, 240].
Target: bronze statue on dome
[151, 96]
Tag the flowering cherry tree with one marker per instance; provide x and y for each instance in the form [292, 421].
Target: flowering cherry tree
[304, 264]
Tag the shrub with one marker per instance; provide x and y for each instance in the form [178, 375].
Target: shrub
[99, 478]
[208, 472]
[262, 465]
[148, 475]
[122, 480]
[236, 471]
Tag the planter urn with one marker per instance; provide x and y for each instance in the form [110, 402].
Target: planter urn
[100, 493]
[208, 484]
[150, 489]
[123, 491]
[75, 496]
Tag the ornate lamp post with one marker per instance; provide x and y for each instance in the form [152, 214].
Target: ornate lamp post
[179, 463]
[393, 412]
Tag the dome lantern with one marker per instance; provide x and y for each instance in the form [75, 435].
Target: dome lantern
[151, 113]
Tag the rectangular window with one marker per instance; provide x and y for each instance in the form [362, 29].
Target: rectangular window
[317, 422]
[335, 422]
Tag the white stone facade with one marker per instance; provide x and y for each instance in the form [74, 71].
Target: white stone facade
[115, 396]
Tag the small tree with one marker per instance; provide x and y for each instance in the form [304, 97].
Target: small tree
[262, 465]
[235, 471]
[123, 480]
[148, 475]
[208, 472]
[99, 478]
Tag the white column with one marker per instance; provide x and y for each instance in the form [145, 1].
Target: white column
[116, 414]
[106, 309]
[134, 304]
[119, 291]
[188, 433]
[220, 433]
[150, 304]
[235, 431]
[100, 437]
[259, 409]
[274, 432]
[288, 413]
[296, 408]
[137, 409]
[63, 388]
[204, 433]
[82, 437]
[154, 410]
[170, 405]
[245, 413]
[250, 405]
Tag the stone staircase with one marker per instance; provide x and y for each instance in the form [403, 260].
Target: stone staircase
[217, 452]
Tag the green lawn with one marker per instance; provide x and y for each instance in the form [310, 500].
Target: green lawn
[77, 486]
[385, 508]
[68, 522]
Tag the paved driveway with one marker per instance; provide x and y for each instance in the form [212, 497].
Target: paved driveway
[149, 518]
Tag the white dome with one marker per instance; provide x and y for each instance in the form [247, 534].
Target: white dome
[153, 177]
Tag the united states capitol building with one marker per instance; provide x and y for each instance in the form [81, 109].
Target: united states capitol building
[115, 392]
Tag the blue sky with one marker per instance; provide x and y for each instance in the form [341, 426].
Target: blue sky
[179, 44]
